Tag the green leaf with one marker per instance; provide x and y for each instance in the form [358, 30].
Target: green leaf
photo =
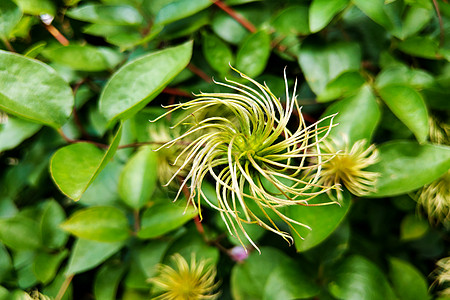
[98, 223]
[407, 281]
[52, 216]
[217, 53]
[86, 255]
[405, 166]
[358, 116]
[10, 15]
[412, 227]
[20, 233]
[323, 63]
[290, 281]
[162, 218]
[88, 58]
[75, 167]
[384, 14]
[415, 19]
[292, 21]
[322, 11]
[14, 131]
[249, 278]
[180, 9]
[253, 54]
[32, 90]
[150, 255]
[400, 74]
[107, 281]
[151, 73]
[107, 14]
[409, 106]
[346, 84]
[321, 227]
[138, 179]
[420, 46]
[6, 265]
[45, 265]
[359, 279]
[33, 7]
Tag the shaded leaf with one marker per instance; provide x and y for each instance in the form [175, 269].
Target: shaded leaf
[346, 84]
[20, 233]
[99, 223]
[180, 9]
[405, 166]
[32, 90]
[107, 281]
[322, 11]
[14, 131]
[217, 53]
[408, 282]
[37, 8]
[10, 15]
[292, 21]
[106, 14]
[252, 56]
[45, 265]
[52, 216]
[412, 227]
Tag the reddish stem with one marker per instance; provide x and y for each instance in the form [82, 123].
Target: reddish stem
[243, 21]
[441, 24]
[199, 72]
[8, 45]
[57, 35]
[176, 92]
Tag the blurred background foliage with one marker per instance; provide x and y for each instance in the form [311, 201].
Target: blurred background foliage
[83, 210]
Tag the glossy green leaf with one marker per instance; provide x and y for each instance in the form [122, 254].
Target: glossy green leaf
[322, 11]
[151, 73]
[75, 167]
[408, 105]
[98, 223]
[37, 8]
[407, 281]
[52, 216]
[10, 15]
[14, 131]
[107, 281]
[249, 278]
[323, 63]
[405, 166]
[358, 116]
[419, 46]
[162, 218]
[150, 255]
[45, 265]
[382, 13]
[180, 9]
[32, 90]
[321, 228]
[87, 254]
[89, 58]
[346, 84]
[20, 233]
[292, 21]
[217, 53]
[412, 227]
[6, 265]
[290, 281]
[253, 54]
[400, 74]
[138, 179]
[359, 279]
[415, 19]
[106, 14]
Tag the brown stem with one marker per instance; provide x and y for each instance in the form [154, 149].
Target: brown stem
[8, 44]
[64, 287]
[57, 35]
[199, 72]
[77, 121]
[137, 221]
[441, 24]
[71, 141]
[176, 92]
[240, 19]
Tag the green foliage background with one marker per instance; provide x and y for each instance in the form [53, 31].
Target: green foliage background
[82, 207]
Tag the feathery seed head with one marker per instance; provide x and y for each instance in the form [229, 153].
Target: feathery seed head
[442, 274]
[186, 282]
[258, 162]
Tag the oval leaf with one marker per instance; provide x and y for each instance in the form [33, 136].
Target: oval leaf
[217, 53]
[408, 282]
[150, 73]
[252, 56]
[409, 106]
[138, 179]
[52, 216]
[99, 223]
[45, 265]
[107, 14]
[37, 8]
[162, 218]
[312, 216]
[107, 281]
[359, 279]
[180, 9]
[87, 254]
[322, 11]
[20, 233]
[292, 21]
[405, 166]
[358, 116]
[32, 90]
[10, 15]
[74, 167]
[323, 63]
[14, 131]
